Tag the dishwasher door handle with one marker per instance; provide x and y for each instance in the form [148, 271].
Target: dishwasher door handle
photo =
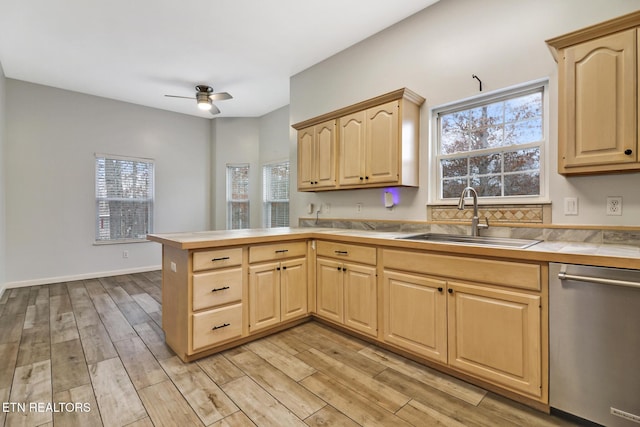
[562, 275]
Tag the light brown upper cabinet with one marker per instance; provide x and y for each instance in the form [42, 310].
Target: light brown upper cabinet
[376, 144]
[316, 157]
[598, 97]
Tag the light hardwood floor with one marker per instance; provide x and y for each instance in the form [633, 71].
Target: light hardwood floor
[97, 344]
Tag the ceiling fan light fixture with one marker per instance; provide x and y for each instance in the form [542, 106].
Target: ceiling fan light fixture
[204, 103]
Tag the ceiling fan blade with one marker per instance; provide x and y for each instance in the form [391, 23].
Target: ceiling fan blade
[176, 96]
[214, 110]
[220, 96]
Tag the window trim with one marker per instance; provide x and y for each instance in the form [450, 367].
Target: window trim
[486, 98]
[151, 218]
[265, 222]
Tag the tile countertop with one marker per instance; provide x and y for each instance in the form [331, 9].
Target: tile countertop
[605, 255]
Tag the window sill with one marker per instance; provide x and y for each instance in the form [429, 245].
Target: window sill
[119, 242]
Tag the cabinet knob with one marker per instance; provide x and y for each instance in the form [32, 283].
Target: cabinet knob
[284, 267]
[628, 151]
[361, 178]
[450, 290]
[339, 268]
[440, 289]
[278, 268]
[366, 177]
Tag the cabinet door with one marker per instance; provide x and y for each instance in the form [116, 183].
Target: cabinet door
[293, 288]
[598, 122]
[264, 296]
[306, 158]
[325, 135]
[360, 298]
[352, 149]
[329, 293]
[495, 334]
[415, 314]
[382, 136]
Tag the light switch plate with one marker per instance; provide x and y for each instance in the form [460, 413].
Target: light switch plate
[571, 206]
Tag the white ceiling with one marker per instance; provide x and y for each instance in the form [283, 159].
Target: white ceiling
[139, 50]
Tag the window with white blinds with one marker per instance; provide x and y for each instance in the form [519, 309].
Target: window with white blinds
[124, 198]
[275, 178]
[238, 196]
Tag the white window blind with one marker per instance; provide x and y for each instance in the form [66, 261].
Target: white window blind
[238, 196]
[124, 198]
[275, 178]
[495, 145]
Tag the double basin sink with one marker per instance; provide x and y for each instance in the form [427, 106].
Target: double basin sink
[462, 239]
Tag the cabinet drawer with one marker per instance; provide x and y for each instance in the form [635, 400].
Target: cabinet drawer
[217, 258]
[277, 251]
[345, 251]
[216, 288]
[215, 326]
[504, 273]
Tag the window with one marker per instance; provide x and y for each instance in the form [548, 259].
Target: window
[124, 198]
[237, 196]
[275, 178]
[495, 145]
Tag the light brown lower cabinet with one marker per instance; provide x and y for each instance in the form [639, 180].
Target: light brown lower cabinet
[346, 294]
[277, 292]
[490, 331]
[495, 334]
[415, 314]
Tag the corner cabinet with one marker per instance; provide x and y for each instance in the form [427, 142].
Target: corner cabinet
[375, 141]
[598, 97]
[346, 285]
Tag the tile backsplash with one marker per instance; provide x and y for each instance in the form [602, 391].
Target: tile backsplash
[591, 234]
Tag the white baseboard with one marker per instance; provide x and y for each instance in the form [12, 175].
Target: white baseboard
[85, 276]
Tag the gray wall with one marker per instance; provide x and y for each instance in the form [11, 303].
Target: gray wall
[435, 52]
[50, 169]
[3, 132]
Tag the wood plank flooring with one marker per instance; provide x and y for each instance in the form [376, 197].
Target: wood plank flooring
[92, 353]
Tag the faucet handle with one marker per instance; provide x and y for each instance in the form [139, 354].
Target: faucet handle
[486, 220]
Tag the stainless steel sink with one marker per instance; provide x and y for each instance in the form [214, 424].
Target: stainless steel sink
[462, 239]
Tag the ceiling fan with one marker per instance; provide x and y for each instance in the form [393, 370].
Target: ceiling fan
[204, 97]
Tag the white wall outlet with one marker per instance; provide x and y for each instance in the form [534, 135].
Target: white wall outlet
[571, 206]
[359, 207]
[614, 205]
[174, 268]
[310, 208]
[125, 254]
[327, 208]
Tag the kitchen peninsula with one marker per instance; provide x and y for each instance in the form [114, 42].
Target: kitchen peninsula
[479, 313]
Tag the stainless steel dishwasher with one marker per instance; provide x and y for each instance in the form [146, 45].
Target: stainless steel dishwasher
[594, 343]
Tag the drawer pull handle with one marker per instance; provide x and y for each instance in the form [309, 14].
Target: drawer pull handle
[219, 289]
[341, 252]
[220, 259]
[281, 251]
[224, 325]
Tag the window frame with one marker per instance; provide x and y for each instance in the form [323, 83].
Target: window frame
[150, 199]
[266, 202]
[230, 201]
[435, 175]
